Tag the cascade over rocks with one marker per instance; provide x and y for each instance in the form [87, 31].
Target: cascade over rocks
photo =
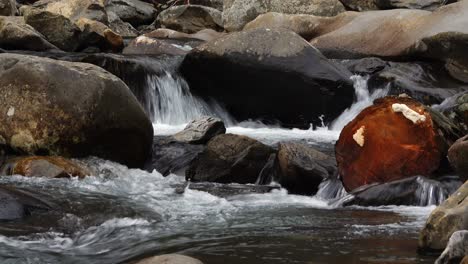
[201, 130]
[393, 139]
[17, 204]
[48, 111]
[191, 18]
[458, 157]
[49, 167]
[230, 158]
[269, 74]
[237, 13]
[16, 34]
[301, 168]
[446, 219]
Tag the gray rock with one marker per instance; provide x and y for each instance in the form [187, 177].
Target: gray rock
[301, 168]
[170, 259]
[16, 34]
[134, 12]
[72, 110]
[201, 130]
[456, 250]
[125, 29]
[237, 13]
[8, 7]
[191, 18]
[230, 158]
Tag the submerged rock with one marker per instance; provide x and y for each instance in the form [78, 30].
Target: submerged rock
[230, 158]
[416, 191]
[393, 139]
[458, 157]
[16, 204]
[16, 34]
[237, 13]
[169, 259]
[49, 167]
[191, 18]
[201, 130]
[456, 249]
[273, 75]
[171, 156]
[48, 111]
[449, 217]
[301, 168]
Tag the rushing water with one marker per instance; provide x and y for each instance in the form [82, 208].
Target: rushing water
[119, 215]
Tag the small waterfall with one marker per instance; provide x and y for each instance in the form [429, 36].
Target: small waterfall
[331, 189]
[430, 192]
[364, 99]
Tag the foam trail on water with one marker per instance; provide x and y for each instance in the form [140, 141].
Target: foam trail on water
[364, 99]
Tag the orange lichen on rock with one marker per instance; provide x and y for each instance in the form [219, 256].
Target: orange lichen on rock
[393, 139]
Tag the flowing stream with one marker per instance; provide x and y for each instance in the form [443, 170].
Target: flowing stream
[120, 214]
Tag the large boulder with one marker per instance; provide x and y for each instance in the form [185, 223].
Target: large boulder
[301, 168]
[200, 131]
[191, 18]
[395, 138]
[122, 28]
[269, 74]
[58, 29]
[7, 7]
[96, 34]
[172, 156]
[71, 9]
[445, 220]
[134, 12]
[169, 259]
[44, 166]
[458, 157]
[456, 250]
[230, 158]
[237, 13]
[16, 34]
[70, 109]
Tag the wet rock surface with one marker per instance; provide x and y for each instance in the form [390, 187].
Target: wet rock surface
[191, 18]
[201, 130]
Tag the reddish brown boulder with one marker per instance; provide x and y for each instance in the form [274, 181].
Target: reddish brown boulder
[458, 157]
[391, 140]
[44, 166]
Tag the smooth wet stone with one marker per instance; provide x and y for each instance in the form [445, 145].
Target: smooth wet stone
[456, 250]
[45, 166]
[447, 218]
[458, 157]
[169, 259]
[230, 158]
[301, 168]
[200, 131]
[273, 74]
[191, 18]
[385, 143]
[50, 113]
[171, 156]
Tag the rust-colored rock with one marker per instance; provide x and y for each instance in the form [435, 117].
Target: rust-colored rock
[44, 166]
[383, 144]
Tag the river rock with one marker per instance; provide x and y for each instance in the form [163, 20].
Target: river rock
[360, 5]
[273, 74]
[171, 156]
[393, 139]
[445, 220]
[146, 45]
[49, 112]
[42, 166]
[458, 157]
[201, 130]
[170, 259]
[122, 28]
[366, 66]
[237, 13]
[95, 33]
[301, 168]
[7, 7]
[58, 29]
[456, 108]
[191, 18]
[16, 34]
[410, 4]
[230, 158]
[16, 204]
[134, 12]
[456, 250]
[202, 35]
[413, 191]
